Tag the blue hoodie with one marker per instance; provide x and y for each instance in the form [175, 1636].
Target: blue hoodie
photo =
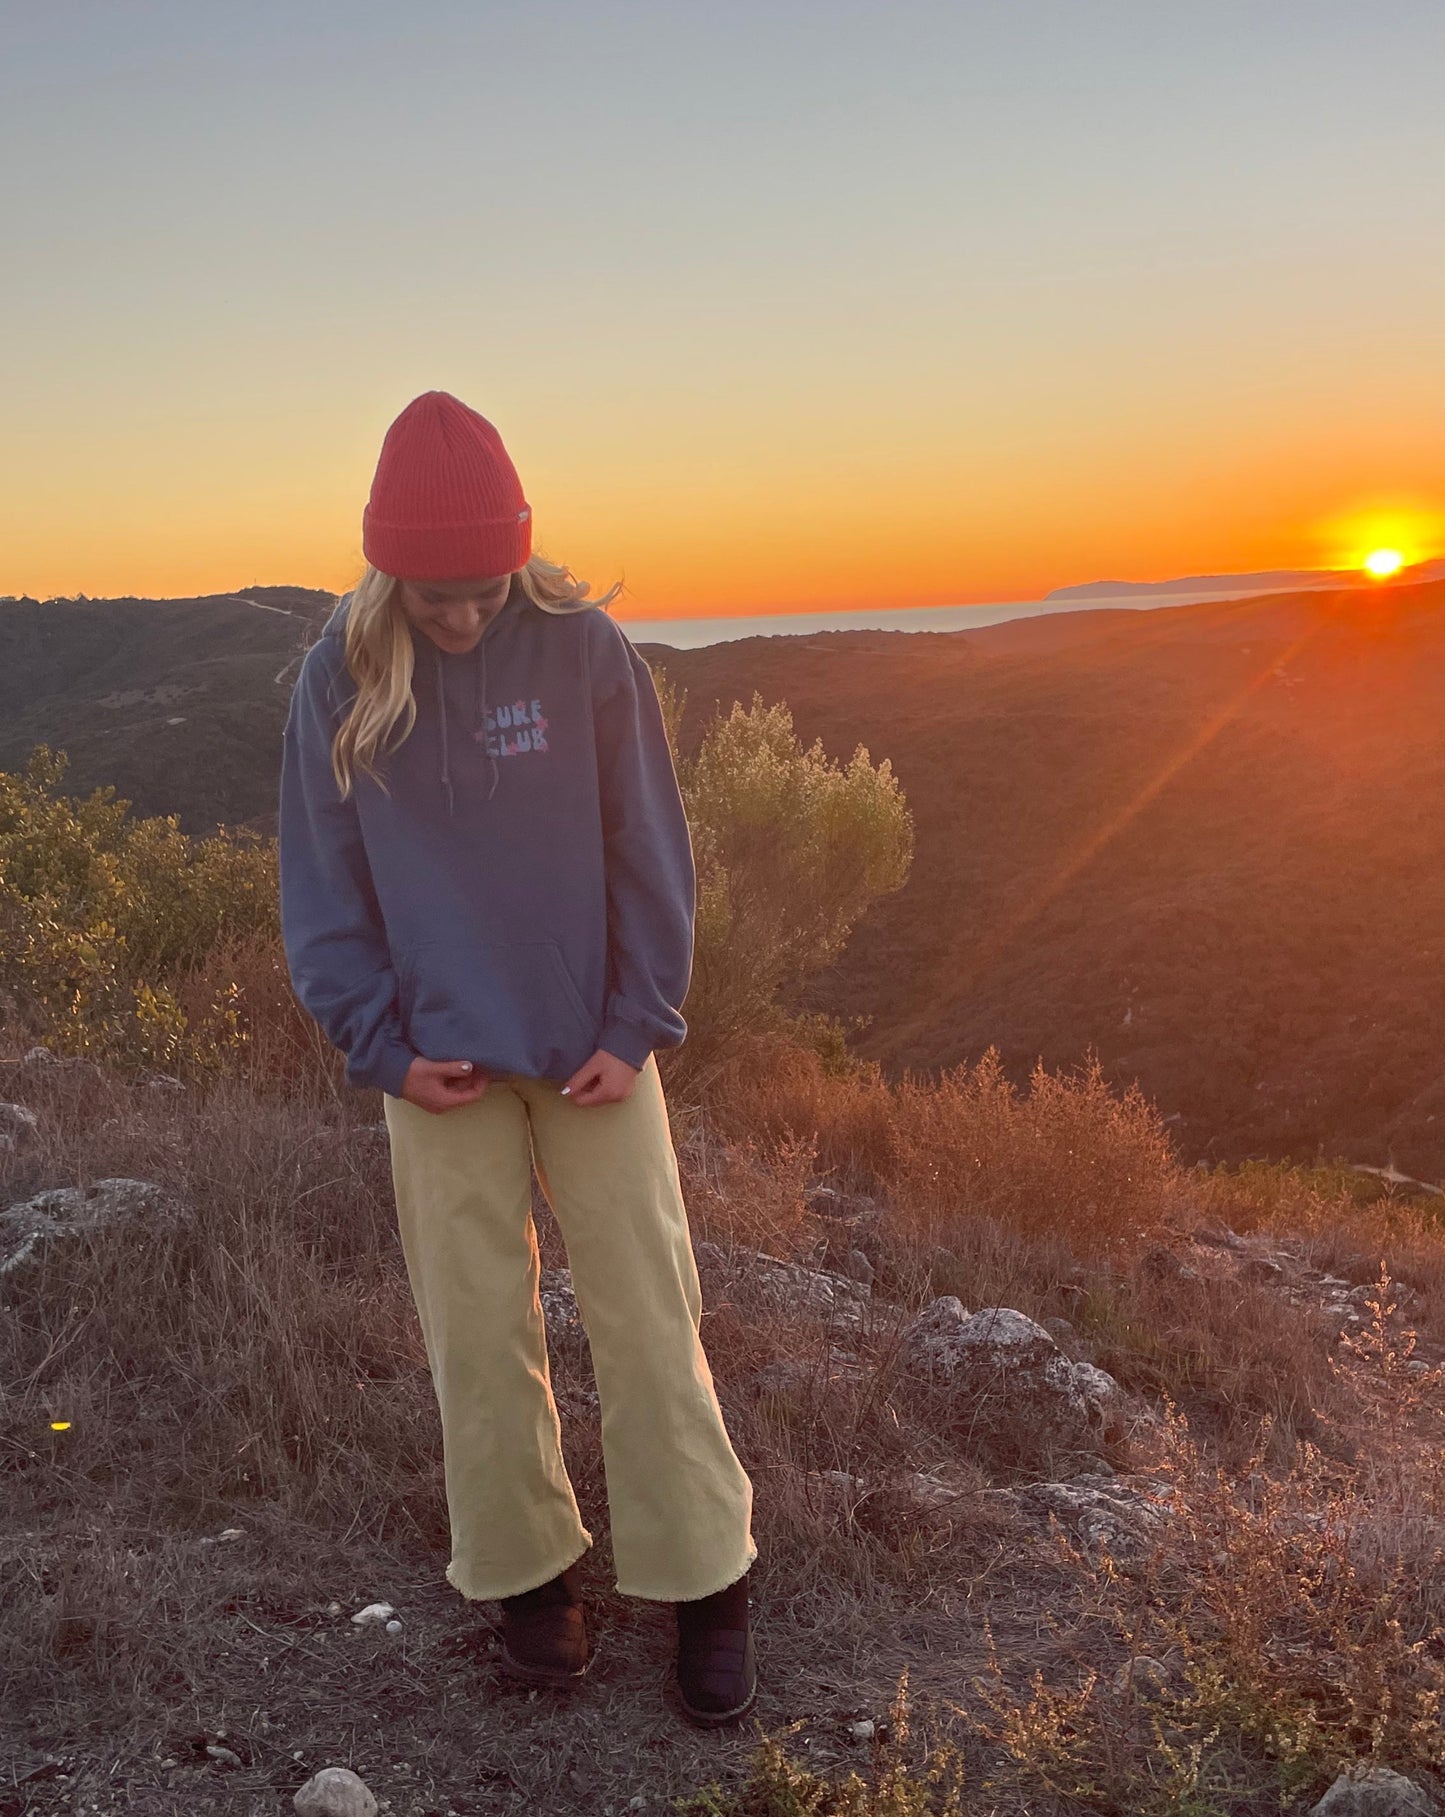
[525, 893]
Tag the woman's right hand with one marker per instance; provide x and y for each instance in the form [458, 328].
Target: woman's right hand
[438, 1085]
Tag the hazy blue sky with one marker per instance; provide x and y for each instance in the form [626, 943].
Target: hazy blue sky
[774, 304]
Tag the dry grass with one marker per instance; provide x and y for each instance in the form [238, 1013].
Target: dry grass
[1067, 1158]
[1066, 1202]
[259, 1367]
[265, 1348]
[1341, 1222]
[1269, 1641]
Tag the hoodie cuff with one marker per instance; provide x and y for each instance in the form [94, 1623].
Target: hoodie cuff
[388, 1072]
[626, 1041]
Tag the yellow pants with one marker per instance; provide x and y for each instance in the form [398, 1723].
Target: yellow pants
[679, 1500]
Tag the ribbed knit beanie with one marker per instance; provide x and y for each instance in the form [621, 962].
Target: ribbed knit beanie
[446, 503]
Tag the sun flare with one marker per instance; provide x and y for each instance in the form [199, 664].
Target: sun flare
[1382, 563]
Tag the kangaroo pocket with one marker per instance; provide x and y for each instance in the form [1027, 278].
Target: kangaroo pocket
[506, 1006]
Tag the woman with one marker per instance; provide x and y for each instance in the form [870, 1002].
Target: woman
[487, 898]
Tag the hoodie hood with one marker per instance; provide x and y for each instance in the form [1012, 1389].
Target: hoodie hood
[471, 663]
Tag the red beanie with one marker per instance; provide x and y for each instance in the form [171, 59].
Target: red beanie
[446, 503]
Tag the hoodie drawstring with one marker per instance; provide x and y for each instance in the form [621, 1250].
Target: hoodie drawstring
[446, 746]
[482, 734]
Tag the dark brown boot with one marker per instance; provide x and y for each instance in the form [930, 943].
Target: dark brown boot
[717, 1678]
[544, 1632]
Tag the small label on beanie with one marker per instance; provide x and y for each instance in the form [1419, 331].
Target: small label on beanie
[524, 514]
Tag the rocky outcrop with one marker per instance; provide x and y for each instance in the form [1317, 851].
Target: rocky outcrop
[1343, 1307]
[1114, 1516]
[1375, 1792]
[17, 1126]
[758, 1282]
[1000, 1373]
[65, 1211]
[748, 1277]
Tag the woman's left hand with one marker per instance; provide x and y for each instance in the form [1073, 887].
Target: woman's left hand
[604, 1079]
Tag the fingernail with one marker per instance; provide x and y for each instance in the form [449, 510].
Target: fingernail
[566, 1091]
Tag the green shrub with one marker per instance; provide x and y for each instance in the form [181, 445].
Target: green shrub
[124, 938]
[792, 850]
[103, 916]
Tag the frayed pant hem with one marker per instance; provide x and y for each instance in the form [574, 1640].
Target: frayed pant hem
[653, 1594]
[517, 1588]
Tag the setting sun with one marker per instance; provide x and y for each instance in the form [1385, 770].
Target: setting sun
[1383, 562]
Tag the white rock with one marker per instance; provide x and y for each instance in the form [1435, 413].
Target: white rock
[559, 1304]
[1003, 1335]
[333, 1608]
[1089, 1394]
[224, 1757]
[17, 1124]
[761, 1282]
[335, 1792]
[864, 1730]
[393, 1626]
[373, 1612]
[1374, 1792]
[929, 1341]
[75, 1210]
[230, 1533]
[1118, 1519]
[1003, 1370]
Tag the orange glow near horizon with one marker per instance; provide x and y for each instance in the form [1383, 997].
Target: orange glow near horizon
[920, 308]
[1382, 538]
[723, 530]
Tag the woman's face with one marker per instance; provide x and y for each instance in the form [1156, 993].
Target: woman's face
[454, 613]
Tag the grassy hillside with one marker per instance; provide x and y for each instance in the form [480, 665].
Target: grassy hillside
[1087, 1482]
[1208, 842]
[1205, 842]
[218, 1442]
[176, 703]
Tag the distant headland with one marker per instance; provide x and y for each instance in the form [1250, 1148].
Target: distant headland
[1270, 580]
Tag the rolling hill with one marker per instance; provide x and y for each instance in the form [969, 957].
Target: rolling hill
[1206, 842]
[176, 703]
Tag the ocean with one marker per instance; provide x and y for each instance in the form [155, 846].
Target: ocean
[693, 633]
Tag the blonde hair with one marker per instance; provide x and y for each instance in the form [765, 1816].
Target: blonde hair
[379, 655]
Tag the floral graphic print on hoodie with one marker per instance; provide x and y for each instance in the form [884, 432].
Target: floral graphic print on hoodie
[524, 895]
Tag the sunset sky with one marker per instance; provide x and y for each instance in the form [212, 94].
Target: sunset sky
[778, 306]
